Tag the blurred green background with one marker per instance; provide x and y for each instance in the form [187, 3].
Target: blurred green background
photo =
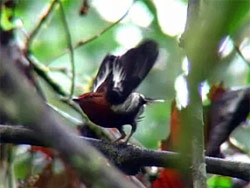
[161, 20]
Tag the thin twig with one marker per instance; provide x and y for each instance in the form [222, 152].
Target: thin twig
[43, 72]
[84, 42]
[241, 55]
[71, 50]
[62, 70]
[67, 116]
[42, 20]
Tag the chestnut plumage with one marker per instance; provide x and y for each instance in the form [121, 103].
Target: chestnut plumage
[112, 102]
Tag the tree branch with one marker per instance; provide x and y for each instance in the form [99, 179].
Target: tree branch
[71, 50]
[192, 125]
[130, 158]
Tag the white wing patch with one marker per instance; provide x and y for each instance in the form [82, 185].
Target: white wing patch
[102, 78]
[130, 104]
[118, 75]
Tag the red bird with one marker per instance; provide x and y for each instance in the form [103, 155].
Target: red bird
[112, 102]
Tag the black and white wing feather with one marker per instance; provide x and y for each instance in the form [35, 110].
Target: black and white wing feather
[105, 71]
[118, 76]
[130, 69]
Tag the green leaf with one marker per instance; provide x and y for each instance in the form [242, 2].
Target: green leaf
[219, 182]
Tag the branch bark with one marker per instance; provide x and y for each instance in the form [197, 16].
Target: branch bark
[130, 158]
[192, 117]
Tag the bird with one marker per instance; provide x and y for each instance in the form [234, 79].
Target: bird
[112, 101]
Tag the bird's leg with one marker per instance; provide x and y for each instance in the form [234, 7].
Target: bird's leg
[123, 134]
[134, 126]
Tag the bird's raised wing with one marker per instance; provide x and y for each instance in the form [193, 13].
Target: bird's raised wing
[105, 70]
[129, 70]
[118, 76]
